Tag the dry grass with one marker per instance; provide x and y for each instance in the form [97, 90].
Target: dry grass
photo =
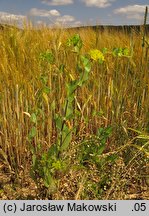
[116, 94]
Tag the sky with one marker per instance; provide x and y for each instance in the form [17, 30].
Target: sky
[74, 12]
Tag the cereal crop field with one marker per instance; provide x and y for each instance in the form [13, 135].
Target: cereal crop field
[74, 113]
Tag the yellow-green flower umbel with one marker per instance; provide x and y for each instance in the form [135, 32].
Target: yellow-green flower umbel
[96, 55]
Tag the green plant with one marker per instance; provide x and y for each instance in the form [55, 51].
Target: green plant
[58, 93]
[119, 52]
[93, 147]
[75, 42]
[48, 163]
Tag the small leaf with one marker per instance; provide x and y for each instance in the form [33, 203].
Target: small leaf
[76, 42]
[34, 159]
[71, 87]
[46, 89]
[67, 136]
[33, 118]
[104, 50]
[112, 158]
[85, 73]
[108, 130]
[53, 105]
[62, 68]
[52, 152]
[126, 51]
[101, 149]
[100, 131]
[58, 120]
[44, 79]
[48, 180]
[32, 132]
[47, 56]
